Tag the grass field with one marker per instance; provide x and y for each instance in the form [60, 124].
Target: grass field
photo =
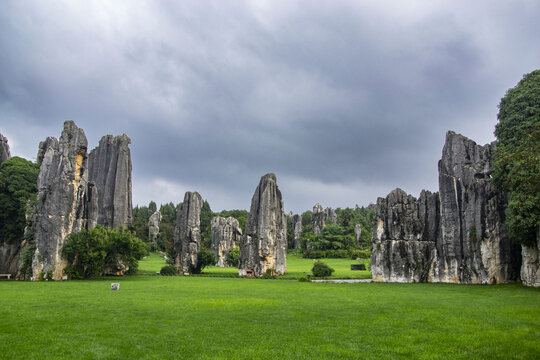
[296, 266]
[156, 317]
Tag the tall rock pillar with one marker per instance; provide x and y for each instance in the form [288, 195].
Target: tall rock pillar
[264, 245]
[474, 246]
[187, 233]
[226, 235]
[109, 167]
[62, 198]
[4, 149]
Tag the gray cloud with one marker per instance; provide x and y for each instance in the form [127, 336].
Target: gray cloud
[343, 100]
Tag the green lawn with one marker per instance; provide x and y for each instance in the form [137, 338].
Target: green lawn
[296, 266]
[156, 317]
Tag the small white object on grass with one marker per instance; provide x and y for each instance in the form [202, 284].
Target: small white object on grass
[115, 286]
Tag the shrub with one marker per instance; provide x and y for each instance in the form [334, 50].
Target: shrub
[321, 269]
[204, 259]
[269, 274]
[360, 254]
[233, 256]
[102, 251]
[168, 270]
[304, 279]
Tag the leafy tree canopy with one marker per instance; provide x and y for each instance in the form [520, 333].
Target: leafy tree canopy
[18, 185]
[517, 157]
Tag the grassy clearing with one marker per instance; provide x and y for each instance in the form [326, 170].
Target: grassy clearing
[154, 317]
[296, 266]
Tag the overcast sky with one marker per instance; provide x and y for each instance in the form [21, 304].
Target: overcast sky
[343, 100]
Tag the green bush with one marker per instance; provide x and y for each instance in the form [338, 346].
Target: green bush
[269, 274]
[168, 270]
[233, 256]
[204, 259]
[321, 269]
[360, 254]
[102, 251]
[304, 279]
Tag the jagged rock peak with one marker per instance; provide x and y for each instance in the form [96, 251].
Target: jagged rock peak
[110, 169]
[318, 218]
[4, 149]
[62, 200]
[187, 233]
[474, 246]
[404, 237]
[264, 245]
[153, 225]
[296, 225]
[226, 235]
[456, 235]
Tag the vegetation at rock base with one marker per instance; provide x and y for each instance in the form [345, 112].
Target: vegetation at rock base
[204, 258]
[18, 187]
[168, 270]
[233, 257]
[517, 157]
[102, 251]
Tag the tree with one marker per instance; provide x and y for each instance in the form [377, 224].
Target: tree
[517, 157]
[102, 251]
[18, 186]
[206, 223]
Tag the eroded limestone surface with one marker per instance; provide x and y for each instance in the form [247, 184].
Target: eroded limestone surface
[187, 233]
[264, 245]
[226, 235]
[456, 235]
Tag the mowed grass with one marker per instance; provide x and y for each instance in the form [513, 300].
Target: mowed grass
[296, 267]
[155, 317]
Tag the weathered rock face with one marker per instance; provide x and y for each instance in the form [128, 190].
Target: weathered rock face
[530, 267]
[474, 246]
[403, 240]
[62, 200]
[296, 225]
[331, 215]
[226, 235]
[264, 246]
[187, 233]
[457, 235]
[110, 170]
[153, 225]
[10, 257]
[318, 218]
[4, 149]
[358, 234]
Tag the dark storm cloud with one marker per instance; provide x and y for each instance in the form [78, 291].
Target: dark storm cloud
[343, 100]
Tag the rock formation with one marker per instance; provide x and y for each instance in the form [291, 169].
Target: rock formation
[456, 235]
[404, 237]
[226, 235]
[264, 245]
[331, 215]
[153, 225]
[109, 167]
[296, 225]
[530, 267]
[4, 149]
[63, 198]
[318, 219]
[358, 234]
[187, 233]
